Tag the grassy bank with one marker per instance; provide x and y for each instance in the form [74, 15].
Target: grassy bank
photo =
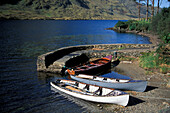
[158, 60]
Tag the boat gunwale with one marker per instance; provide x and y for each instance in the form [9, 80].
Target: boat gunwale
[99, 77]
[135, 81]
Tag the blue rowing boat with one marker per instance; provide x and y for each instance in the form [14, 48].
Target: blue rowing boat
[122, 84]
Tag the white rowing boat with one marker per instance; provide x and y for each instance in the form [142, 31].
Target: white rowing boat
[91, 92]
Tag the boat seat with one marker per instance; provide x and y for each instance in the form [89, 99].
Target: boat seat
[98, 92]
[86, 87]
[93, 88]
[106, 91]
[124, 81]
[110, 94]
[114, 93]
[98, 78]
[81, 86]
[111, 80]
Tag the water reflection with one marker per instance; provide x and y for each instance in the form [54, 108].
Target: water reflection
[64, 102]
[47, 77]
[86, 105]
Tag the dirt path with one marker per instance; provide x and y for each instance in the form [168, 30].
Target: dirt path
[155, 99]
[132, 70]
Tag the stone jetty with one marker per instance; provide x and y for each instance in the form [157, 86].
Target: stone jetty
[54, 61]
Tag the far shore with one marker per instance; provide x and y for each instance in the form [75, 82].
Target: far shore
[154, 39]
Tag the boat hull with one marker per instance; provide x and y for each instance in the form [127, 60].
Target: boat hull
[133, 85]
[120, 100]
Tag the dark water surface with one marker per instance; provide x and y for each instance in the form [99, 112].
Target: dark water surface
[22, 88]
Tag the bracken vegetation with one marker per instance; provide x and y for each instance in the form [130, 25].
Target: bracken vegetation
[141, 26]
[160, 25]
[160, 59]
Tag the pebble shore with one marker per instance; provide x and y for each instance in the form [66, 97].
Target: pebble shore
[155, 99]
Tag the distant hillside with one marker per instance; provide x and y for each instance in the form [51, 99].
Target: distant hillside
[70, 9]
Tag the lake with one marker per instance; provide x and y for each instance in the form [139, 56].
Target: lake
[22, 88]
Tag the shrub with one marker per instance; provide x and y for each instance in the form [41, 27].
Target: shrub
[164, 69]
[132, 27]
[166, 39]
[161, 24]
[163, 51]
[149, 60]
[121, 24]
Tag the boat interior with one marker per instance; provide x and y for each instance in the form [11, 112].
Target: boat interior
[104, 79]
[87, 89]
[93, 64]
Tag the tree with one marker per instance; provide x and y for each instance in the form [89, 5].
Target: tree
[159, 3]
[158, 7]
[152, 14]
[147, 7]
[138, 2]
[139, 5]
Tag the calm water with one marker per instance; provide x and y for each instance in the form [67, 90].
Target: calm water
[22, 88]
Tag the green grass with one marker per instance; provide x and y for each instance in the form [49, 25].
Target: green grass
[149, 60]
[153, 60]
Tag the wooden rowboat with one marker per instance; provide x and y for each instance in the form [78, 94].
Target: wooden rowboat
[123, 84]
[94, 67]
[91, 92]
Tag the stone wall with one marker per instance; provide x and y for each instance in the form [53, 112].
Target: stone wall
[55, 60]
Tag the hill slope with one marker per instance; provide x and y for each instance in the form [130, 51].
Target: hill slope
[71, 9]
